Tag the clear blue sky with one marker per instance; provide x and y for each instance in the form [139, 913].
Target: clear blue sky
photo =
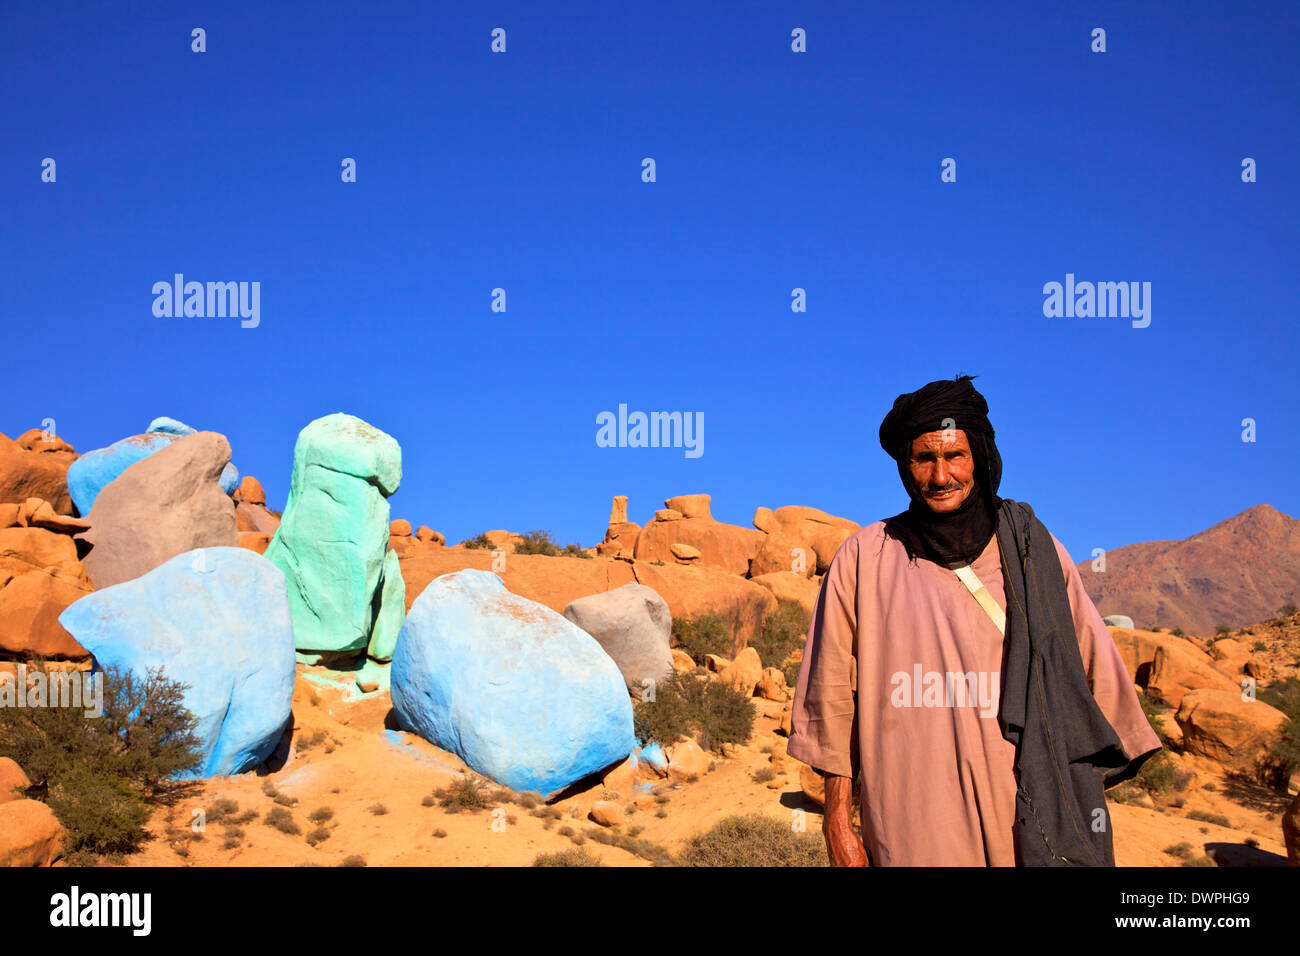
[775, 170]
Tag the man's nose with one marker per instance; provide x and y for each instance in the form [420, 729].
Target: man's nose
[940, 475]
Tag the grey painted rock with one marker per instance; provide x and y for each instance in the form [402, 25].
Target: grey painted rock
[1118, 620]
[159, 507]
[634, 625]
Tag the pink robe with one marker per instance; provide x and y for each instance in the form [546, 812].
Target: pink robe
[938, 788]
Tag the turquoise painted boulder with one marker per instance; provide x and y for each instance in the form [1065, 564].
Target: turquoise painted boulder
[216, 619]
[392, 610]
[88, 475]
[333, 535]
[521, 694]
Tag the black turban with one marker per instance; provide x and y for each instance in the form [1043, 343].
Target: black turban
[957, 537]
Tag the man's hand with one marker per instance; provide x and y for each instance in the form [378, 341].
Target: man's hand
[842, 842]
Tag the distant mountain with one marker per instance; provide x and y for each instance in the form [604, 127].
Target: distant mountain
[1238, 572]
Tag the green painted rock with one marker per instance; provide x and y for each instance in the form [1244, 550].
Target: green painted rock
[333, 535]
[392, 610]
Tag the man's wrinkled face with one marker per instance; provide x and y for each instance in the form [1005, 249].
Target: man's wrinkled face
[943, 468]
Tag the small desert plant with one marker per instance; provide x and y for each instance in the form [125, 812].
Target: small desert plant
[1159, 775]
[764, 774]
[1184, 851]
[684, 705]
[354, 860]
[754, 840]
[1216, 818]
[282, 820]
[780, 633]
[428, 800]
[702, 635]
[284, 800]
[1222, 630]
[440, 833]
[536, 542]
[221, 808]
[570, 857]
[465, 793]
[1286, 610]
[307, 741]
[574, 551]
[1177, 632]
[479, 541]
[319, 835]
[269, 789]
[321, 815]
[1259, 646]
[1285, 750]
[378, 809]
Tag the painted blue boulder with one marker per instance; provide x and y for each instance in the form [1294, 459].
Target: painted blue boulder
[88, 475]
[216, 619]
[519, 692]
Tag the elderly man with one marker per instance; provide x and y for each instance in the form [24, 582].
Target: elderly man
[955, 657]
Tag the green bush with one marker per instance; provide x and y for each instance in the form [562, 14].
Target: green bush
[780, 633]
[1222, 630]
[791, 671]
[1204, 817]
[479, 541]
[1177, 632]
[754, 840]
[575, 551]
[1285, 696]
[103, 814]
[1286, 610]
[685, 705]
[537, 542]
[702, 635]
[1259, 646]
[321, 815]
[104, 772]
[1160, 776]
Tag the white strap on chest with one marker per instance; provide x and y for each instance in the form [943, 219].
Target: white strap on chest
[976, 587]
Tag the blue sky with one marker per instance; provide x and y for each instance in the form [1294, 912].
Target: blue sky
[775, 170]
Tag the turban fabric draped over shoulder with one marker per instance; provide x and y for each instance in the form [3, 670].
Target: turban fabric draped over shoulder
[954, 538]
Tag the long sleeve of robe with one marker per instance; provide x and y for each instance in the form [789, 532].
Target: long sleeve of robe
[908, 651]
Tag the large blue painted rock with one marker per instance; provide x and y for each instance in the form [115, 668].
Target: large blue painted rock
[216, 619]
[88, 475]
[521, 694]
[333, 535]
